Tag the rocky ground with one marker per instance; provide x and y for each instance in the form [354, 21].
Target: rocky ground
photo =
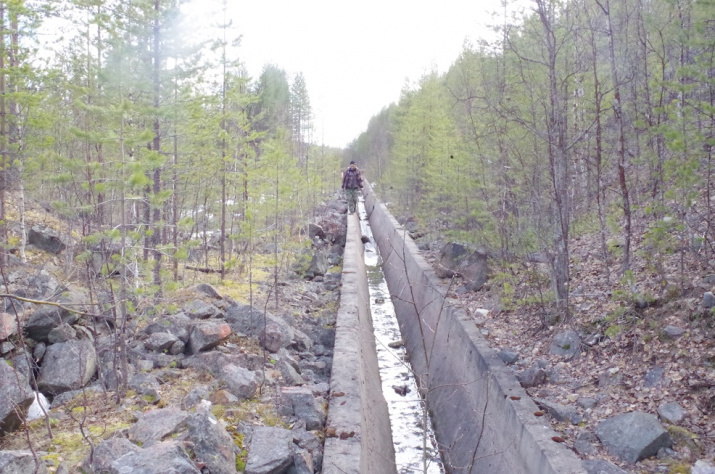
[218, 385]
[214, 384]
[649, 348]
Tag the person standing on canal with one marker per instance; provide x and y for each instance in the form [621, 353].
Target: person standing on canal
[352, 182]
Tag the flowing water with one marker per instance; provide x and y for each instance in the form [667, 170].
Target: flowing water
[415, 445]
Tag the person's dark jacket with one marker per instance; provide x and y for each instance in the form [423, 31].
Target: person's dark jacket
[352, 178]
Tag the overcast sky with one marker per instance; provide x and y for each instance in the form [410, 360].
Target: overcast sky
[356, 56]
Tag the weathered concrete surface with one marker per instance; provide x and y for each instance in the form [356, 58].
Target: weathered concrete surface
[359, 438]
[478, 425]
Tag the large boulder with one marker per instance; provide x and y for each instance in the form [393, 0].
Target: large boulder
[16, 396]
[474, 270]
[270, 451]
[319, 265]
[212, 445]
[251, 321]
[45, 238]
[155, 425]
[106, 452]
[21, 462]
[304, 406]
[160, 458]
[177, 324]
[566, 344]
[633, 436]
[67, 366]
[48, 317]
[199, 309]
[207, 335]
[450, 256]
[239, 381]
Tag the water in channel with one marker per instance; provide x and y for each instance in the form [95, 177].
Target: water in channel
[412, 435]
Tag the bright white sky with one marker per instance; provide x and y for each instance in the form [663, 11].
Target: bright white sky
[356, 56]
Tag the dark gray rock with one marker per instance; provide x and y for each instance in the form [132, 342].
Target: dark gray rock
[209, 290]
[160, 341]
[62, 333]
[251, 321]
[46, 318]
[16, 396]
[633, 436]
[110, 377]
[39, 352]
[654, 377]
[144, 384]
[315, 231]
[531, 377]
[302, 463]
[306, 439]
[271, 338]
[212, 445]
[565, 344]
[8, 326]
[195, 396]
[508, 356]
[199, 309]
[304, 406]
[586, 402]
[474, 270]
[559, 412]
[206, 335]
[21, 462]
[177, 324]
[239, 381]
[289, 374]
[671, 412]
[319, 265]
[6, 347]
[599, 466]
[106, 452]
[673, 332]
[178, 347]
[584, 447]
[67, 366]
[450, 256]
[708, 300]
[270, 451]
[155, 425]
[301, 341]
[160, 458]
[45, 238]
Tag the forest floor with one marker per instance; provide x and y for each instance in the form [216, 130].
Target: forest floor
[628, 321]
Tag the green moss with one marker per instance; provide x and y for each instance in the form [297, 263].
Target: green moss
[149, 398]
[219, 411]
[613, 331]
[678, 468]
[683, 437]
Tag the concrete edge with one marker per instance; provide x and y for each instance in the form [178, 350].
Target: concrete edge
[484, 420]
[358, 435]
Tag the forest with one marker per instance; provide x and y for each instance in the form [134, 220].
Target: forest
[574, 149]
[147, 140]
[584, 117]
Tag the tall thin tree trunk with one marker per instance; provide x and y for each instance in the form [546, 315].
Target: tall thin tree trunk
[618, 112]
[3, 139]
[156, 145]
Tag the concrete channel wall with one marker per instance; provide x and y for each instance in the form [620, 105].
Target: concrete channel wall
[358, 436]
[483, 419]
